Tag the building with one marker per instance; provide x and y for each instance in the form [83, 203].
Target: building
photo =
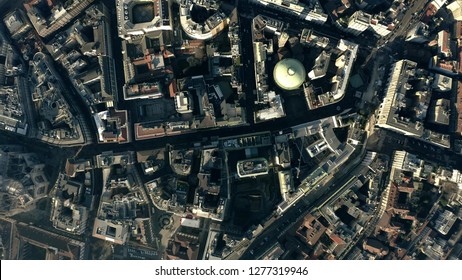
[110, 231]
[67, 213]
[445, 221]
[22, 180]
[262, 28]
[13, 117]
[458, 112]
[58, 124]
[344, 65]
[418, 33]
[184, 244]
[84, 49]
[406, 103]
[371, 4]
[442, 83]
[289, 74]
[320, 67]
[435, 247]
[48, 17]
[252, 167]
[431, 9]
[275, 108]
[310, 10]
[147, 90]
[183, 102]
[308, 38]
[447, 67]
[16, 24]
[112, 126]
[444, 44]
[456, 9]
[274, 253]
[358, 23]
[375, 247]
[144, 62]
[181, 161]
[286, 183]
[381, 25]
[388, 116]
[311, 230]
[210, 197]
[149, 130]
[439, 111]
[207, 30]
[57, 246]
[140, 17]
[122, 212]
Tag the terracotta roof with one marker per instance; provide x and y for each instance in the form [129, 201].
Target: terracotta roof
[311, 230]
[121, 115]
[446, 65]
[146, 132]
[123, 135]
[172, 88]
[336, 239]
[375, 246]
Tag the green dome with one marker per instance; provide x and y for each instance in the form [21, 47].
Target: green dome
[289, 74]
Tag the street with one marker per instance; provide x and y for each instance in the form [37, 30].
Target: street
[307, 204]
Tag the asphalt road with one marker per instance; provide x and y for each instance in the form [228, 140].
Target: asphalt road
[386, 142]
[94, 148]
[299, 210]
[407, 22]
[409, 18]
[247, 70]
[248, 85]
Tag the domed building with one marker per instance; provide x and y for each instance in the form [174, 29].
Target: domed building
[289, 74]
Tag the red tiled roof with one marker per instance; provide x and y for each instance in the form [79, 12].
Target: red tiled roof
[336, 239]
[123, 135]
[172, 88]
[121, 115]
[446, 66]
[143, 132]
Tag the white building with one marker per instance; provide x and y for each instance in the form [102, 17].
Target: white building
[206, 30]
[358, 22]
[312, 11]
[183, 102]
[380, 28]
[442, 83]
[397, 85]
[456, 9]
[418, 34]
[445, 221]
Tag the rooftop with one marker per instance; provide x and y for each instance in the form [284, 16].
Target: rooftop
[140, 17]
[389, 112]
[252, 167]
[289, 74]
